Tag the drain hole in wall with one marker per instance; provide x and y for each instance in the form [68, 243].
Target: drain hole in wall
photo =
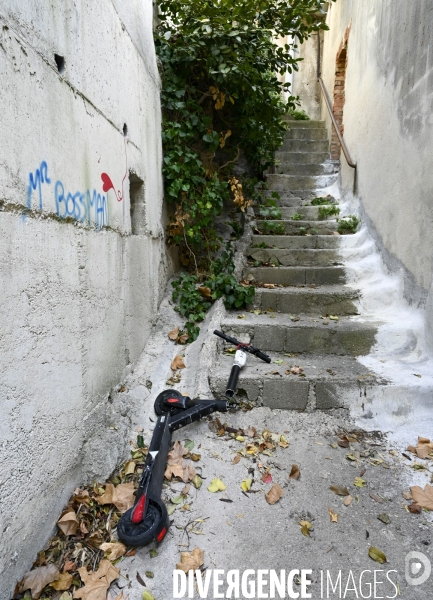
[125, 129]
[60, 62]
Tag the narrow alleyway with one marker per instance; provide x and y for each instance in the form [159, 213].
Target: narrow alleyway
[305, 318]
[301, 485]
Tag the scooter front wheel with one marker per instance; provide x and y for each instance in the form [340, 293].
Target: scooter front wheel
[154, 526]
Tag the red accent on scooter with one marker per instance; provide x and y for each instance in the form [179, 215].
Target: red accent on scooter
[171, 400]
[138, 512]
[161, 534]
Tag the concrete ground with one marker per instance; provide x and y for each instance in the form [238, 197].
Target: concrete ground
[248, 533]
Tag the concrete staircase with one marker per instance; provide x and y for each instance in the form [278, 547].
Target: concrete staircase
[303, 315]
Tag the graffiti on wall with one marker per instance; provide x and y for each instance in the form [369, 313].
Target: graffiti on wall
[90, 207]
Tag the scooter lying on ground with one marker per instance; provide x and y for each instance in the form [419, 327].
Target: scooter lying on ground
[148, 519]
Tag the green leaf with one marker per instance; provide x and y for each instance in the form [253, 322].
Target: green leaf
[377, 555]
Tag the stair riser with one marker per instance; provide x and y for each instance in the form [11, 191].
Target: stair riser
[311, 340]
[289, 168]
[306, 133]
[302, 124]
[298, 275]
[289, 393]
[308, 212]
[295, 182]
[293, 227]
[324, 242]
[302, 158]
[304, 146]
[308, 303]
[294, 258]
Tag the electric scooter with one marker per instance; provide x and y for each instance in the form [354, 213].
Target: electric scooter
[148, 519]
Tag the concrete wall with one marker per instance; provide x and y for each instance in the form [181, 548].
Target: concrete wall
[305, 83]
[80, 283]
[388, 128]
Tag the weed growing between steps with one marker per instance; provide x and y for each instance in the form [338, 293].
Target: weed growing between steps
[322, 200]
[348, 225]
[328, 211]
[298, 115]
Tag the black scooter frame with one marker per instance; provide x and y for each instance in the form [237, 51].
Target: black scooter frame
[148, 519]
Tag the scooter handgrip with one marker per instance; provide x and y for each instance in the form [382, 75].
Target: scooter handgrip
[227, 338]
[233, 381]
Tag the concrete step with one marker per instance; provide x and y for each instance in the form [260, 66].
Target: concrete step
[288, 168]
[289, 257]
[285, 199]
[304, 146]
[298, 182]
[306, 133]
[278, 333]
[325, 300]
[307, 212]
[296, 275]
[296, 241]
[304, 158]
[300, 227]
[295, 124]
[326, 379]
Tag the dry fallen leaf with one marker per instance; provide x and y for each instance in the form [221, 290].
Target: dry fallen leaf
[348, 500]
[205, 292]
[96, 583]
[306, 527]
[414, 508]
[216, 486]
[191, 560]
[423, 497]
[174, 333]
[114, 549]
[64, 582]
[69, 566]
[333, 515]
[274, 494]
[121, 496]
[177, 363]
[295, 473]
[267, 477]
[339, 490]
[37, 579]
[236, 459]
[251, 432]
[283, 442]
[377, 555]
[246, 485]
[68, 523]
[424, 447]
[407, 495]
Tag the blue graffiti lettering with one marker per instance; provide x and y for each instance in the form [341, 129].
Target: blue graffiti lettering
[79, 206]
[35, 182]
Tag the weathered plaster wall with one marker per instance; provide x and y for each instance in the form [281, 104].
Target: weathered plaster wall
[305, 83]
[79, 290]
[388, 127]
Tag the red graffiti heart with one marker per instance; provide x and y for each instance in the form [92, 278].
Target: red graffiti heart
[107, 183]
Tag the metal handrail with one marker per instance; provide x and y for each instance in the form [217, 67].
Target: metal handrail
[329, 107]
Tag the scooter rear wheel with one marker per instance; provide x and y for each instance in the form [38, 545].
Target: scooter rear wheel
[141, 534]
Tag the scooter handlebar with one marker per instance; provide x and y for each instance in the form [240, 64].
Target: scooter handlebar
[245, 347]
